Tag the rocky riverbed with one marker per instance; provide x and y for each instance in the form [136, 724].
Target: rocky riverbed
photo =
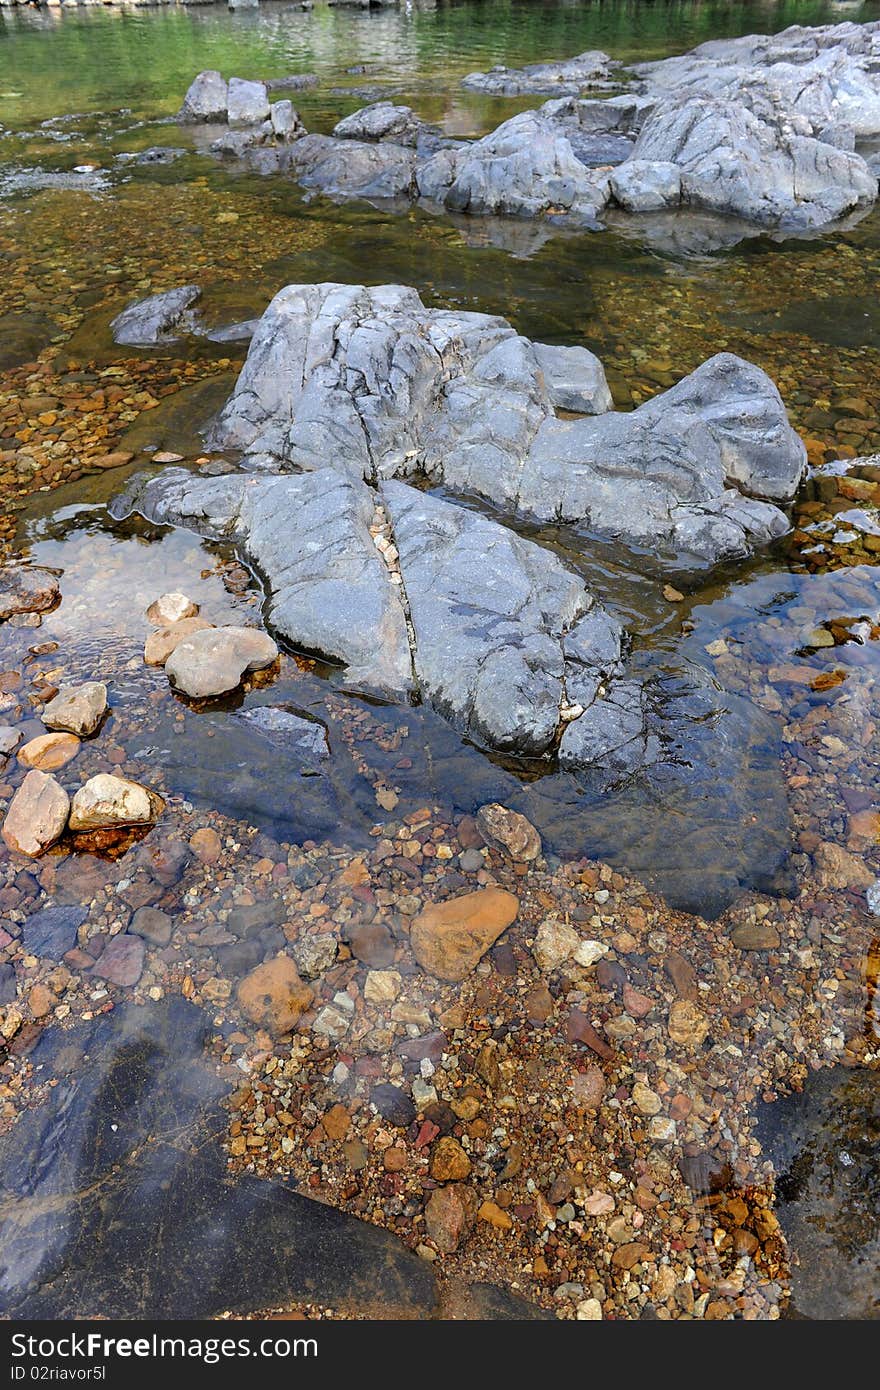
[483, 1026]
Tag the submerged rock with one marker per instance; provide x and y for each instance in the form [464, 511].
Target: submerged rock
[26, 589]
[83, 1234]
[49, 752]
[171, 608]
[449, 939]
[273, 996]
[824, 1143]
[150, 322]
[305, 737]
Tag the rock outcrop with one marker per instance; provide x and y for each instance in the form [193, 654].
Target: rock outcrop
[384, 387]
[765, 129]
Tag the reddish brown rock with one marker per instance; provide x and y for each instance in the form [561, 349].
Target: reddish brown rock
[273, 996]
[161, 643]
[450, 1213]
[122, 960]
[450, 938]
[206, 845]
[578, 1028]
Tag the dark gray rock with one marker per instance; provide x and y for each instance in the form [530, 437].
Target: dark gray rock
[8, 986]
[135, 1215]
[52, 931]
[304, 738]
[393, 1104]
[156, 320]
[382, 121]
[354, 168]
[824, 1144]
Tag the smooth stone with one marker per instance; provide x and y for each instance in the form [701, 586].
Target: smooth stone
[273, 996]
[213, 662]
[508, 829]
[554, 943]
[37, 815]
[49, 752]
[755, 936]
[77, 709]
[10, 738]
[107, 801]
[8, 984]
[173, 607]
[449, 939]
[161, 643]
[153, 925]
[52, 932]
[121, 961]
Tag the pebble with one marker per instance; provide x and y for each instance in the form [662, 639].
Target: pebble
[510, 831]
[450, 1212]
[450, 938]
[122, 960]
[587, 953]
[393, 1104]
[49, 752]
[449, 1162]
[173, 607]
[755, 936]
[206, 845]
[153, 925]
[687, 1025]
[554, 943]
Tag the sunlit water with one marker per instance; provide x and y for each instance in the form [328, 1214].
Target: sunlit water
[84, 88]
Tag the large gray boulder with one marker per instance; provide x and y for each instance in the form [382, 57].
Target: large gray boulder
[384, 121]
[247, 102]
[811, 77]
[490, 612]
[571, 75]
[732, 162]
[354, 168]
[377, 386]
[206, 98]
[157, 319]
[524, 168]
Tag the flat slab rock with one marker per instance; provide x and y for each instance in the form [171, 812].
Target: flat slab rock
[499, 624]
[373, 380]
[27, 589]
[83, 1235]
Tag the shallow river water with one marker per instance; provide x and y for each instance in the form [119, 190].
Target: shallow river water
[779, 826]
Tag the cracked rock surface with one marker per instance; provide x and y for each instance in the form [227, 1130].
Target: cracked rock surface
[372, 380]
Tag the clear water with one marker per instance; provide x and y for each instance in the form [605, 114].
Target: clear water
[79, 88]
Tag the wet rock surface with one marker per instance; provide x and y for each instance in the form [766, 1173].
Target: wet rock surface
[147, 1114]
[469, 405]
[824, 1143]
[149, 322]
